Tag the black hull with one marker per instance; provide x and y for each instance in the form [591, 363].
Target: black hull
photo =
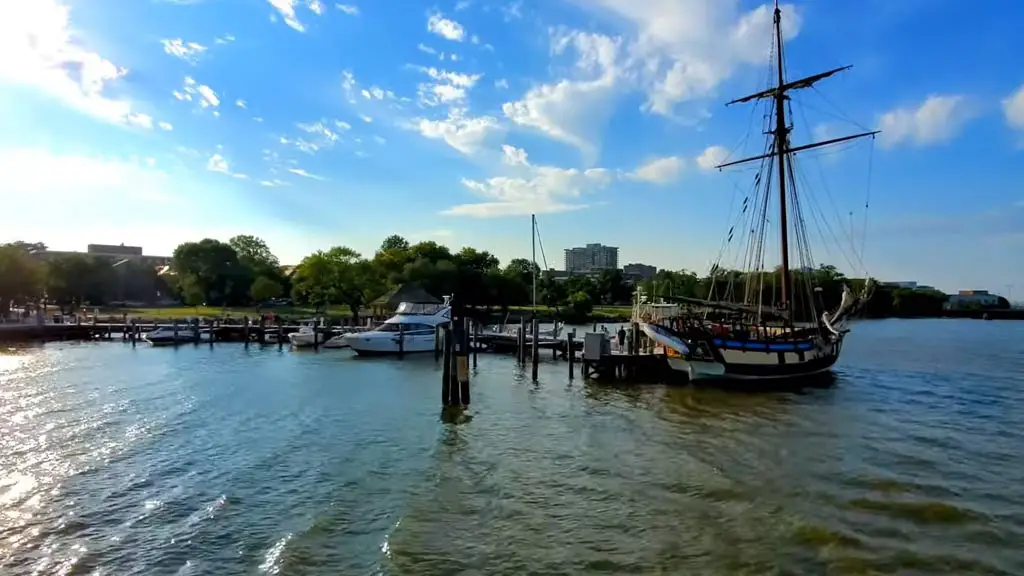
[762, 360]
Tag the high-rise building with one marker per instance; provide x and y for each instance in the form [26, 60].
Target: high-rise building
[642, 271]
[591, 257]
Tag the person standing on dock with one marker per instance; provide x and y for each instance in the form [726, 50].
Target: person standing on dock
[622, 337]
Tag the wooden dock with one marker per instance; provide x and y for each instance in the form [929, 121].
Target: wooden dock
[593, 354]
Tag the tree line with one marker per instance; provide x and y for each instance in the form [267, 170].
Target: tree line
[244, 272]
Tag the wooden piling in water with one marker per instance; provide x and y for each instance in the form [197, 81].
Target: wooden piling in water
[262, 335]
[476, 341]
[280, 335]
[535, 353]
[174, 327]
[570, 354]
[446, 368]
[401, 340]
[245, 330]
[463, 364]
[316, 333]
[131, 334]
[211, 325]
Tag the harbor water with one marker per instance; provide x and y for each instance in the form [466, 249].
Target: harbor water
[225, 460]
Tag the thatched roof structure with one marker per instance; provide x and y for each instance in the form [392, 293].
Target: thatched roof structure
[411, 292]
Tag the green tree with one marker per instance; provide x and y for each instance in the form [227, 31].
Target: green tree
[264, 289]
[71, 280]
[314, 280]
[213, 267]
[253, 252]
[580, 306]
[355, 280]
[21, 277]
[394, 243]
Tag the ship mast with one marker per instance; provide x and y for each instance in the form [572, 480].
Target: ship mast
[781, 148]
[781, 139]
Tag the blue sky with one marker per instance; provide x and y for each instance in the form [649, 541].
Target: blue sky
[314, 123]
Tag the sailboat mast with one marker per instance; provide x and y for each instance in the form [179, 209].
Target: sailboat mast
[781, 145]
[533, 239]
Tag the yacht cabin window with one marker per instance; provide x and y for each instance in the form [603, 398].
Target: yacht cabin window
[393, 327]
[415, 308]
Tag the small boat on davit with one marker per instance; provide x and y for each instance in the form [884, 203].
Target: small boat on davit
[758, 324]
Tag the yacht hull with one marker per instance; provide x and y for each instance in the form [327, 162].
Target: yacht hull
[386, 344]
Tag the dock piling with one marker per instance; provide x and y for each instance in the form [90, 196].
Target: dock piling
[446, 369]
[174, 326]
[535, 353]
[280, 335]
[569, 347]
[401, 340]
[245, 330]
[476, 341]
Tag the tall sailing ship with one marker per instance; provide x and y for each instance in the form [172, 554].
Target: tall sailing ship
[735, 333]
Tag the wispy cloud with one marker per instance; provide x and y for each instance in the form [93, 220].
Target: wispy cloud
[304, 174]
[187, 51]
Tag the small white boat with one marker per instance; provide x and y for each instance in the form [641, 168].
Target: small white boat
[513, 331]
[305, 336]
[165, 335]
[412, 329]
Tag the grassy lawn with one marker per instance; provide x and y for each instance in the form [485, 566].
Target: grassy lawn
[181, 312]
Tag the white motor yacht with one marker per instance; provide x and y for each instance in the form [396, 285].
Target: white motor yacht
[411, 329]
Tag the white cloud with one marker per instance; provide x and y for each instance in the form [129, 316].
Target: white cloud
[202, 94]
[501, 83]
[287, 10]
[712, 157]
[348, 9]
[446, 28]
[165, 126]
[512, 11]
[187, 51]
[450, 87]
[536, 190]
[426, 49]
[514, 156]
[673, 50]
[240, 103]
[462, 5]
[348, 86]
[937, 119]
[40, 50]
[659, 170]
[304, 174]
[570, 110]
[218, 163]
[209, 96]
[1013, 109]
[462, 133]
[366, 119]
[224, 39]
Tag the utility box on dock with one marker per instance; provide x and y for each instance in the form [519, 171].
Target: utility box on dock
[595, 345]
